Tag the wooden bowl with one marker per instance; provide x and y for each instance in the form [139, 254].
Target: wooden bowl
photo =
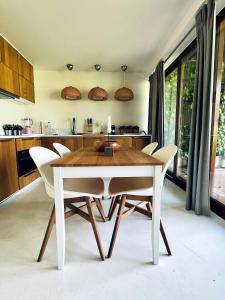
[100, 146]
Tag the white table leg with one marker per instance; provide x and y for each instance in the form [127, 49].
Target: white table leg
[60, 221]
[106, 181]
[156, 203]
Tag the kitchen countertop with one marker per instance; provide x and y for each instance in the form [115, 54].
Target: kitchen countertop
[24, 136]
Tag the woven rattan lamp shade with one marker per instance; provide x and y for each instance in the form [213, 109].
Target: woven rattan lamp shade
[97, 94]
[124, 94]
[70, 93]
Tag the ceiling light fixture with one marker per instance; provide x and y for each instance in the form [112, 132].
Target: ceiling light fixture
[124, 93]
[70, 92]
[97, 93]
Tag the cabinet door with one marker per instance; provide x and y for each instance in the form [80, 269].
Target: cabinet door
[89, 142]
[8, 168]
[73, 143]
[25, 68]
[123, 142]
[9, 80]
[10, 57]
[26, 89]
[1, 48]
[27, 143]
[140, 142]
[47, 142]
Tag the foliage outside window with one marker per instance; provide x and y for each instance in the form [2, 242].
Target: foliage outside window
[188, 67]
[170, 108]
[221, 126]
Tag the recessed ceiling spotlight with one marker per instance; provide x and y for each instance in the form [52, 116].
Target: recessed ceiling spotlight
[124, 68]
[70, 67]
[97, 67]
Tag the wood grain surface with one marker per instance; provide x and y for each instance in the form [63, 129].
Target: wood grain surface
[89, 157]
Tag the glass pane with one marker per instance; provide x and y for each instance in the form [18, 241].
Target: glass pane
[218, 180]
[187, 91]
[170, 109]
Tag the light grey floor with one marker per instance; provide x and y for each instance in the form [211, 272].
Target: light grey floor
[195, 271]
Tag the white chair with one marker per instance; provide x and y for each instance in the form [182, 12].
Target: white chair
[150, 148]
[147, 150]
[137, 189]
[89, 191]
[61, 149]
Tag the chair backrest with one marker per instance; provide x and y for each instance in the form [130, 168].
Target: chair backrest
[42, 158]
[149, 148]
[61, 149]
[166, 155]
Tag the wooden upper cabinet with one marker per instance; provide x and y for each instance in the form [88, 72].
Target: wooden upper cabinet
[1, 48]
[25, 69]
[9, 80]
[10, 56]
[8, 168]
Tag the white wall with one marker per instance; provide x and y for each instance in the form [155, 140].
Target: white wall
[50, 107]
[11, 112]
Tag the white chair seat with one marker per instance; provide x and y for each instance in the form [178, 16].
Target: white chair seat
[91, 187]
[142, 186]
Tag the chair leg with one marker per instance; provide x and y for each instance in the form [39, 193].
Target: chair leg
[111, 206]
[165, 239]
[95, 229]
[162, 231]
[100, 208]
[117, 223]
[115, 202]
[47, 234]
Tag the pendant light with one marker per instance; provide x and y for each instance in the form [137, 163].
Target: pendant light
[97, 93]
[124, 93]
[70, 92]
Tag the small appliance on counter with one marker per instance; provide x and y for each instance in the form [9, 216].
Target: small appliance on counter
[113, 129]
[74, 130]
[129, 129]
[89, 125]
[28, 122]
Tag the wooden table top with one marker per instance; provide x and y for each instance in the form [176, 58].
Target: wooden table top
[89, 157]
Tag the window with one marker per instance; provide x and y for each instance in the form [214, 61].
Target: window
[218, 138]
[188, 66]
[179, 91]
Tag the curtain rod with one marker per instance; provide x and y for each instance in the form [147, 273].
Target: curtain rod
[181, 42]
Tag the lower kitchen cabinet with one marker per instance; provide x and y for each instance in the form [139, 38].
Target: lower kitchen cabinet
[140, 142]
[8, 168]
[72, 143]
[89, 142]
[28, 178]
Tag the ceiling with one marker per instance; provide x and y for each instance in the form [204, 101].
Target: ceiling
[52, 33]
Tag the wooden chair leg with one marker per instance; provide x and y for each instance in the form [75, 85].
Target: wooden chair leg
[165, 239]
[162, 231]
[117, 223]
[111, 205]
[95, 229]
[47, 234]
[100, 208]
[115, 202]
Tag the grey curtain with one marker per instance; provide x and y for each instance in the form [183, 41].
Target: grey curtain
[198, 197]
[156, 104]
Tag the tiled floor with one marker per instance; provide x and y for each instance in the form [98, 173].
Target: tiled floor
[195, 271]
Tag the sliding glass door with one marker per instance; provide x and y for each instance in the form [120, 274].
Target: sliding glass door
[188, 65]
[218, 137]
[179, 91]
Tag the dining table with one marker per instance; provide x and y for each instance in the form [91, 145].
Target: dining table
[89, 163]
